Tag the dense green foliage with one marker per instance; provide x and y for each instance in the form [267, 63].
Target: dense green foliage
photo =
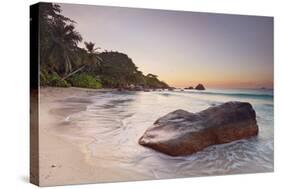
[52, 79]
[63, 63]
[153, 82]
[85, 80]
[118, 70]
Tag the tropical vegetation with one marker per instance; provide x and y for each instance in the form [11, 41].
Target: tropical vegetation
[63, 63]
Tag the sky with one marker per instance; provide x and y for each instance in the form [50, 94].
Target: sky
[183, 48]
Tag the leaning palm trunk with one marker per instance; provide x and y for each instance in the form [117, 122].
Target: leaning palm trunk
[97, 60]
[74, 72]
[68, 66]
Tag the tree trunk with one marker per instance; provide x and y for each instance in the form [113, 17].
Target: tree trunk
[74, 72]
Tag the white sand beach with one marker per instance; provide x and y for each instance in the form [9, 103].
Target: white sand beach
[90, 136]
[62, 160]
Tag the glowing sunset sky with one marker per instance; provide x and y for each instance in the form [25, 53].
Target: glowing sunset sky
[184, 48]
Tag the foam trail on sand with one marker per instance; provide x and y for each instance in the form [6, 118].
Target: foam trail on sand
[116, 120]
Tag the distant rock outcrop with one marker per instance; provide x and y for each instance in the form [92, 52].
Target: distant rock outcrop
[182, 133]
[200, 87]
[189, 88]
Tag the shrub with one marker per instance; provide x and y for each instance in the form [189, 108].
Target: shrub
[56, 81]
[85, 81]
[43, 78]
[52, 79]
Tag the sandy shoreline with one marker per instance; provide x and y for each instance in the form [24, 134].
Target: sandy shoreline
[63, 160]
[87, 137]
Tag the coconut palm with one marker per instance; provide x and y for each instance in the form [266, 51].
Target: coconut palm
[90, 59]
[50, 19]
[58, 41]
[94, 58]
[91, 47]
[64, 39]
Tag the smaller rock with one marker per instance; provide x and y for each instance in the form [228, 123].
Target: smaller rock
[200, 87]
[189, 88]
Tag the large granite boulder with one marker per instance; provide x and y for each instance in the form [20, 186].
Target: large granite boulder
[200, 87]
[183, 133]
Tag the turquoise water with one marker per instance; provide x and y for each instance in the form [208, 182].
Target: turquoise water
[114, 121]
[262, 94]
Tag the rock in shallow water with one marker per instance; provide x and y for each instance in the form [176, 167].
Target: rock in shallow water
[183, 133]
[200, 87]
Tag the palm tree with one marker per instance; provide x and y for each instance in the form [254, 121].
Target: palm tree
[91, 59]
[65, 40]
[91, 47]
[50, 19]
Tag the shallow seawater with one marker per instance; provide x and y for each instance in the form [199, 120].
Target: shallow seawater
[114, 121]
